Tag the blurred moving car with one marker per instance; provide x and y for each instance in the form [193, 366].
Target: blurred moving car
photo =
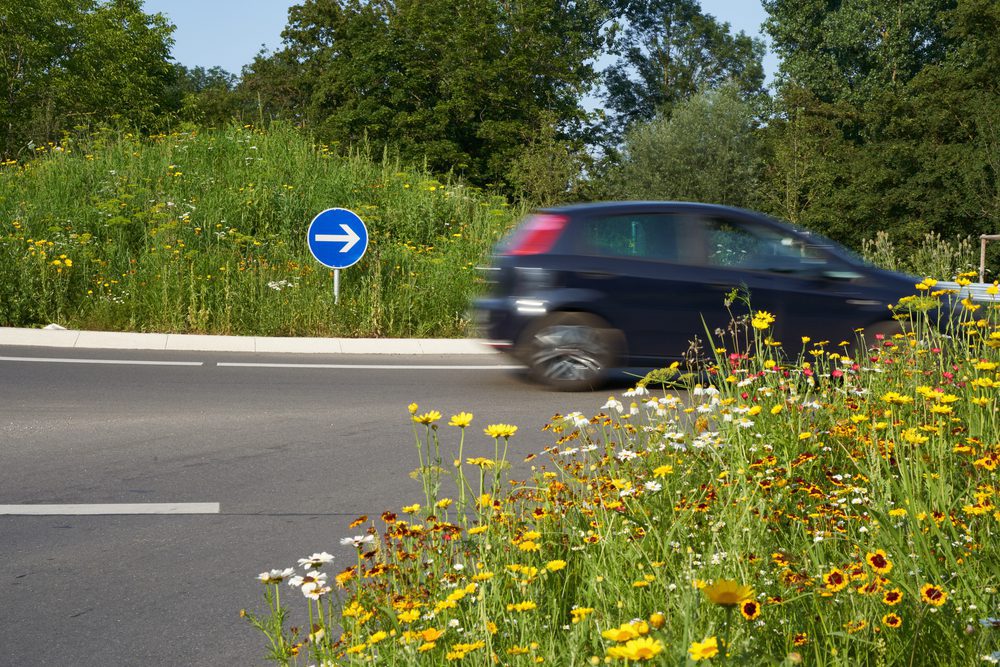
[579, 290]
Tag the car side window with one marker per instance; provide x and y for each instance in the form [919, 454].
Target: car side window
[651, 236]
[739, 245]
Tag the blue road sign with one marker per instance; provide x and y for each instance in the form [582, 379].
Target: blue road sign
[337, 238]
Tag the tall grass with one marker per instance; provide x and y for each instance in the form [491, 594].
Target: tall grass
[205, 232]
[933, 255]
[821, 509]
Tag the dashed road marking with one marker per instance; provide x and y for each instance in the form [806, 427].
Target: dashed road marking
[112, 508]
[118, 362]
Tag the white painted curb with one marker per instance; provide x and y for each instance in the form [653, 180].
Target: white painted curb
[108, 340]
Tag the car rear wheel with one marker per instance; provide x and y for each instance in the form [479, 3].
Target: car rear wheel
[571, 351]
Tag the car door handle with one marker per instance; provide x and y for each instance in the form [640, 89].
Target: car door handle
[599, 275]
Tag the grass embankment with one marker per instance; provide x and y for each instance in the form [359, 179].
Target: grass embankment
[206, 233]
[820, 511]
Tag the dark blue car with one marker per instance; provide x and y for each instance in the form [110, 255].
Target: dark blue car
[579, 290]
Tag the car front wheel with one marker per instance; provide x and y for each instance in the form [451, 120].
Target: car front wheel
[571, 351]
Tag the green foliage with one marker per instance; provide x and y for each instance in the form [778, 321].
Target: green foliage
[206, 97]
[463, 85]
[205, 232]
[887, 118]
[706, 151]
[72, 62]
[667, 51]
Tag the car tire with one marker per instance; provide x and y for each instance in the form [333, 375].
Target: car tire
[571, 351]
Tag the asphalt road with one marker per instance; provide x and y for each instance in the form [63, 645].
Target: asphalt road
[290, 454]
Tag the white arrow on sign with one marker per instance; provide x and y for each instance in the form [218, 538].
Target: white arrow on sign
[349, 238]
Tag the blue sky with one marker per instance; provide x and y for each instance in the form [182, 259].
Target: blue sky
[228, 33]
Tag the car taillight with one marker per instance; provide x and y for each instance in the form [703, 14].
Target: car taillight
[538, 235]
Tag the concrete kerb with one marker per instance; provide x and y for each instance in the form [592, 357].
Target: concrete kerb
[64, 338]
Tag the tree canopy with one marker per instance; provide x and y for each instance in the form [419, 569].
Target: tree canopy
[463, 84]
[69, 62]
[886, 116]
[668, 50]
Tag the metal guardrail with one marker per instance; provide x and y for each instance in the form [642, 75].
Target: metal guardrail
[975, 291]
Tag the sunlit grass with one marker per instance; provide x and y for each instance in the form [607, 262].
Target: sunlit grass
[205, 232]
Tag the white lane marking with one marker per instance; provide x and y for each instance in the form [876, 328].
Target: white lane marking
[121, 362]
[113, 508]
[375, 367]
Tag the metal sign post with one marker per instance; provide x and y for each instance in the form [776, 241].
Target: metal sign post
[337, 239]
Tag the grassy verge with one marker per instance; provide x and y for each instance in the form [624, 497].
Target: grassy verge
[820, 510]
[205, 232]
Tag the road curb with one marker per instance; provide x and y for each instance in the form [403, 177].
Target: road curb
[115, 340]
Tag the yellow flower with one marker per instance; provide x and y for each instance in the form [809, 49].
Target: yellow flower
[527, 605]
[704, 650]
[835, 580]
[657, 619]
[461, 420]
[428, 417]
[555, 565]
[500, 430]
[408, 616]
[805, 435]
[776, 409]
[643, 648]
[623, 633]
[879, 562]
[727, 593]
[663, 471]
[412, 407]
[762, 319]
[580, 613]
[411, 509]
[933, 595]
[444, 503]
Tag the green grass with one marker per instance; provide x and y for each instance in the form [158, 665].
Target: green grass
[205, 233]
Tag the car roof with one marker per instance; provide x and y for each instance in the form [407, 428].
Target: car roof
[625, 206]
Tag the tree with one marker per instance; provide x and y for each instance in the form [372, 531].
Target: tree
[852, 50]
[67, 62]
[667, 51]
[707, 150]
[461, 84]
[205, 96]
[886, 117]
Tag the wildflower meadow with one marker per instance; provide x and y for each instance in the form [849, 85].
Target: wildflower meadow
[835, 507]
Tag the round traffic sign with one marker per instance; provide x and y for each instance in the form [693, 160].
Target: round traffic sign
[337, 238]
